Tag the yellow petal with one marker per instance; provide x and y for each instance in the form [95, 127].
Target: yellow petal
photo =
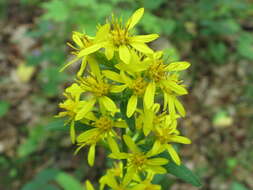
[165, 101]
[131, 105]
[118, 155]
[94, 67]
[91, 49]
[83, 67]
[156, 149]
[117, 88]
[148, 120]
[149, 95]
[158, 169]
[130, 143]
[76, 38]
[157, 161]
[134, 19]
[172, 110]
[125, 78]
[108, 104]
[89, 185]
[86, 108]
[178, 66]
[120, 124]
[113, 76]
[129, 175]
[124, 54]
[83, 137]
[90, 116]
[113, 145]
[72, 132]
[102, 32]
[109, 179]
[144, 38]
[74, 90]
[173, 154]
[179, 107]
[142, 47]
[180, 139]
[109, 51]
[158, 54]
[91, 155]
[175, 87]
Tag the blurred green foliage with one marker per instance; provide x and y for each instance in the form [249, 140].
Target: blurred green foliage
[4, 107]
[208, 32]
[43, 181]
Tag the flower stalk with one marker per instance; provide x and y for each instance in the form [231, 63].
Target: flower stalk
[128, 95]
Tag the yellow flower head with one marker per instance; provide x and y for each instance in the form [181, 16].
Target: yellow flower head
[167, 134]
[114, 102]
[102, 130]
[119, 38]
[99, 90]
[138, 161]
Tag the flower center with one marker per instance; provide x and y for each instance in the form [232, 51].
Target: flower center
[98, 88]
[138, 160]
[139, 86]
[119, 36]
[157, 71]
[104, 123]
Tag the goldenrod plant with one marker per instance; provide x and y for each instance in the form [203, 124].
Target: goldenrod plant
[127, 98]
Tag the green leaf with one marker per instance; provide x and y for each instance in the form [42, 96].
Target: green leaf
[56, 10]
[237, 186]
[167, 26]
[44, 178]
[4, 108]
[153, 4]
[245, 45]
[50, 78]
[36, 135]
[183, 173]
[56, 125]
[67, 181]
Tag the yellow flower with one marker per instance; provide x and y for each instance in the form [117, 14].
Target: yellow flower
[103, 129]
[136, 84]
[118, 37]
[116, 171]
[86, 45]
[165, 77]
[167, 134]
[99, 90]
[148, 119]
[138, 161]
[89, 138]
[72, 105]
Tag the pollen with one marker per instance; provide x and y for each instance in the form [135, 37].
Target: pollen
[104, 123]
[139, 86]
[157, 71]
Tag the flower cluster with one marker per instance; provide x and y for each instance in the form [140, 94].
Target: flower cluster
[125, 98]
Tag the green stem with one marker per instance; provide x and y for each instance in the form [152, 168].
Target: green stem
[124, 149]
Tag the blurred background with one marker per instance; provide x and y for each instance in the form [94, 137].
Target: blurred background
[216, 36]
